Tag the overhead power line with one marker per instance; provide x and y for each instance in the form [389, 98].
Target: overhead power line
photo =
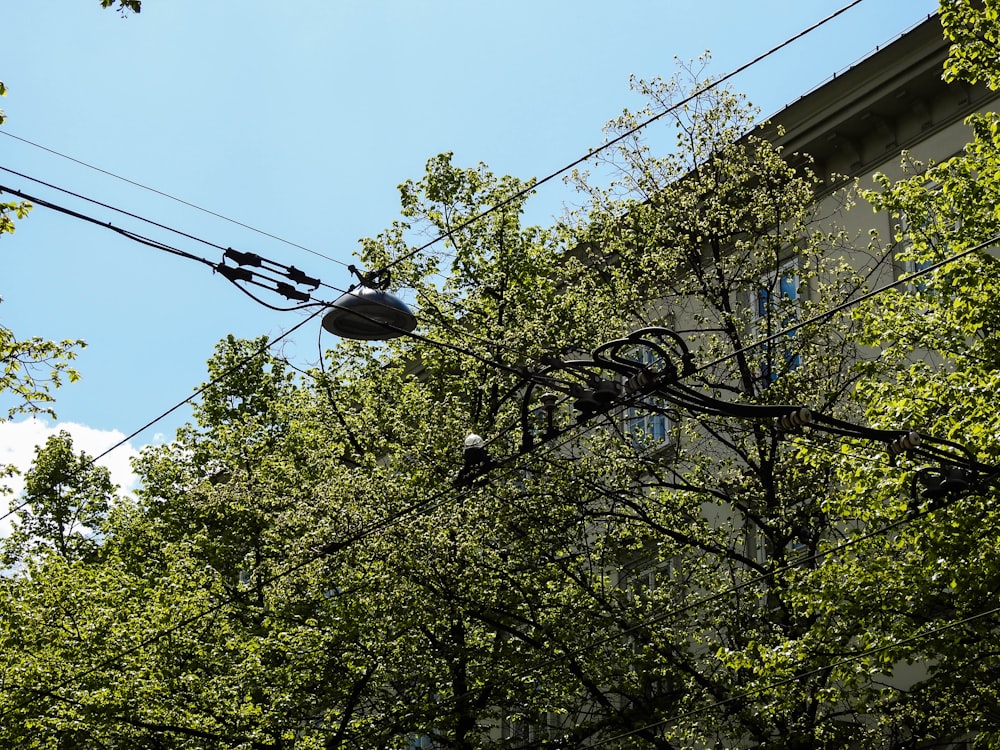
[624, 135]
[169, 196]
[515, 196]
[215, 381]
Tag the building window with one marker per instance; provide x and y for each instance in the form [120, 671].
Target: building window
[775, 309]
[907, 265]
[646, 423]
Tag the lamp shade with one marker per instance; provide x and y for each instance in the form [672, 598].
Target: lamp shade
[369, 314]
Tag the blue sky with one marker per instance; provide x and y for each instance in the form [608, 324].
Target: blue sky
[299, 120]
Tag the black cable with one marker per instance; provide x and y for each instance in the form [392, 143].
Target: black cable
[215, 381]
[222, 268]
[228, 252]
[107, 225]
[622, 136]
[102, 205]
[171, 197]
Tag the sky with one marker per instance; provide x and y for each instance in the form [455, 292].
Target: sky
[284, 129]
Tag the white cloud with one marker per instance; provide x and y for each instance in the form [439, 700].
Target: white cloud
[17, 447]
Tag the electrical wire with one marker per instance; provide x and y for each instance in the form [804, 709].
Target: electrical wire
[624, 135]
[465, 351]
[171, 197]
[534, 184]
[107, 225]
[815, 319]
[96, 203]
[215, 381]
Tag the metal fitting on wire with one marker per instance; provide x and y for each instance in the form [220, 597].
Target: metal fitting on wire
[904, 443]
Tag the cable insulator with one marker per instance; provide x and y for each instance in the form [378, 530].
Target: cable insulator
[234, 274]
[243, 259]
[793, 421]
[299, 277]
[287, 290]
[904, 443]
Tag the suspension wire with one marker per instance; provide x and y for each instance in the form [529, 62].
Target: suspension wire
[242, 274]
[169, 196]
[107, 225]
[96, 203]
[626, 134]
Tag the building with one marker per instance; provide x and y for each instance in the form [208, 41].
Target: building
[855, 125]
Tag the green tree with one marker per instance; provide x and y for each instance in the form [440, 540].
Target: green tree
[939, 358]
[124, 6]
[63, 507]
[301, 569]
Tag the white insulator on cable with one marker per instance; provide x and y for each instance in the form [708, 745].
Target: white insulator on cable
[906, 442]
[794, 420]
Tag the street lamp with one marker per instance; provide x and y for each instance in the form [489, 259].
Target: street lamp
[366, 311]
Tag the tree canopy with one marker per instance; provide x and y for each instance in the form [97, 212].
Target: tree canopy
[308, 564]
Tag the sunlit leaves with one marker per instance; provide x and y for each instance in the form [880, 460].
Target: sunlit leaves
[30, 369]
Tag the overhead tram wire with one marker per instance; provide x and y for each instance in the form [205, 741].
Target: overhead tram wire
[220, 267]
[105, 225]
[519, 194]
[108, 206]
[515, 196]
[829, 312]
[170, 197]
[626, 134]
